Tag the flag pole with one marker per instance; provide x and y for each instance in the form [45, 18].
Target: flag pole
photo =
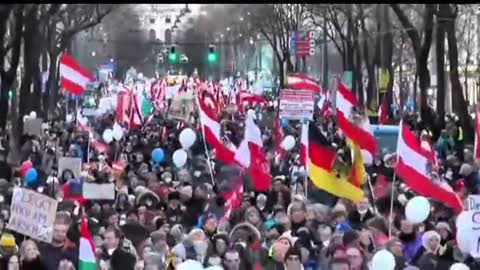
[76, 109]
[88, 148]
[390, 220]
[374, 200]
[205, 146]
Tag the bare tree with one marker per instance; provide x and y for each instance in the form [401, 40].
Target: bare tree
[421, 40]
[448, 13]
[60, 30]
[11, 25]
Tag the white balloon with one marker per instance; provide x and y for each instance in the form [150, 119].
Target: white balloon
[459, 266]
[383, 260]
[33, 114]
[108, 135]
[367, 157]
[180, 158]
[69, 118]
[288, 143]
[190, 265]
[117, 132]
[187, 138]
[417, 209]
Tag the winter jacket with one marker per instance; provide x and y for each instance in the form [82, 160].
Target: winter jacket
[430, 261]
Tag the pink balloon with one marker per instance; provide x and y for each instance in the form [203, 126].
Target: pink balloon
[26, 165]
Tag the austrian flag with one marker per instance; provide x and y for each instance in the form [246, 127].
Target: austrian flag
[414, 166]
[74, 77]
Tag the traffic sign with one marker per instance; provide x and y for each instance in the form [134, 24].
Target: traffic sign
[302, 43]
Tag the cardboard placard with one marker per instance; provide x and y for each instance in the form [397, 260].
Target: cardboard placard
[473, 202]
[98, 191]
[296, 104]
[181, 109]
[70, 163]
[32, 214]
[33, 126]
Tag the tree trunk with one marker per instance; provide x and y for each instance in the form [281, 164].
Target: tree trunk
[387, 51]
[29, 61]
[45, 95]
[458, 100]
[52, 85]
[5, 87]
[440, 54]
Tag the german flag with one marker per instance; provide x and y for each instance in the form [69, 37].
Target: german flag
[320, 165]
[357, 174]
[320, 151]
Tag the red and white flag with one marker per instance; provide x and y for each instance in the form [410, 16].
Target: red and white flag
[304, 144]
[95, 141]
[74, 77]
[234, 198]
[259, 167]
[415, 166]
[128, 110]
[360, 135]
[278, 138]
[212, 131]
[383, 112]
[244, 97]
[302, 81]
[477, 134]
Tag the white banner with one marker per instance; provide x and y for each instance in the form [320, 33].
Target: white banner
[296, 104]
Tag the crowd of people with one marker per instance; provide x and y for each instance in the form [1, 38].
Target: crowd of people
[164, 217]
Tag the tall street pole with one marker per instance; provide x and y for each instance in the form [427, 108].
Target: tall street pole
[325, 52]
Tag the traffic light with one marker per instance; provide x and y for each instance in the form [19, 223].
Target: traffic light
[212, 54]
[173, 55]
[10, 94]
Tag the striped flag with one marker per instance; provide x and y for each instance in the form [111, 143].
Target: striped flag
[87, 259]
[414, 166]
[74, 77]
[319, 156]
[360, 134]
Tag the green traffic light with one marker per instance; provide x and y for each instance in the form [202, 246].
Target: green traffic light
[173, 57]
[212, 57]
[10, 94]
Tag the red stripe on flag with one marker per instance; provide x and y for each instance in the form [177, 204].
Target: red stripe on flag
[72, 63]
[71, 87]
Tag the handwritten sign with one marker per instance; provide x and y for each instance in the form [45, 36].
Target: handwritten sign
[69, 163]
[474, 236]
[99, 191]
[32, 214]
[33, 126]
[474, 202]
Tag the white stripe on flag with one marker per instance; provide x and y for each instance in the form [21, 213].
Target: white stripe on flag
[74, 76]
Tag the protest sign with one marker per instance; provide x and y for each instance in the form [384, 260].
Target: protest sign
[181, 109]
[296, 104]
[98, 191]
[474, 202]
[70, 163]
[32, 214]
[33, 126]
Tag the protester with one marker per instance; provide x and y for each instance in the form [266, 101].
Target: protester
[174, 198]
